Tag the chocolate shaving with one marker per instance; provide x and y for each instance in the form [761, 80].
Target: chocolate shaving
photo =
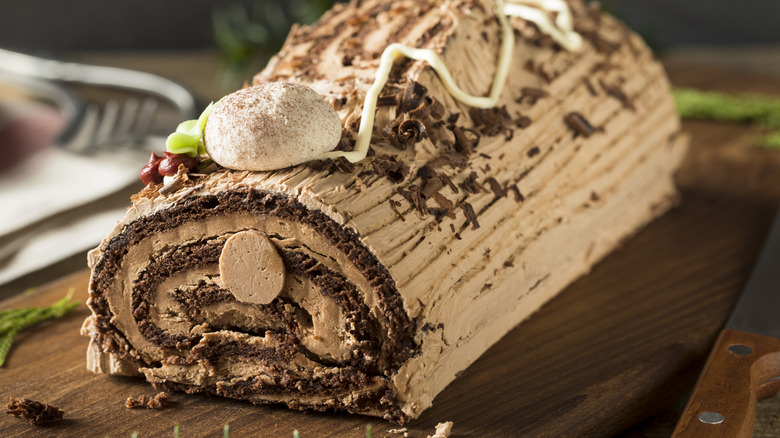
[389, 167]
[616, 92]
[491, 121]
[431, 186]
[499, 191]
[342, 164]
[391, 132]
[320, 165]
[463, 143]
[470, 215]
[590, 87]
[413, 95]
[453, 159]
[579, 124]
[602, 45]
[446, 206]
[411, 131]
[449, 182]
[437, 108]
[518, 196]
[414, 196]
[388, 100]
[426, 172]
[156, 401]
[522, 122]
[394, 206]
[35, 412]
[470, 185]
[422, 111]
[531, 95]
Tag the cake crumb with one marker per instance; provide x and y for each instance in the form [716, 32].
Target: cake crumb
[35, 412]
[443, 430]
[401, 430]
[156, 401]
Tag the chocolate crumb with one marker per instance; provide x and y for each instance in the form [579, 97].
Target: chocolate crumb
[156, 401]
[453, 118]
[579, 124]
[470, 215]
[594, 197]
[533, 152]
[35, 412]
[457, 236]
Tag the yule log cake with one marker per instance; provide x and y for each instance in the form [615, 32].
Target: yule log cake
[403, 184]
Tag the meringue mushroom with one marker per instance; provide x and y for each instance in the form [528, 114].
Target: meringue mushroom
[271, 126]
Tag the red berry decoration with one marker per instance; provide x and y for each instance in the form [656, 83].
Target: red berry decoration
[150, 173]
[169, 165]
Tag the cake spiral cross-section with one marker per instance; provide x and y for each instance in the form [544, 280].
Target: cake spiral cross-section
[368, 285]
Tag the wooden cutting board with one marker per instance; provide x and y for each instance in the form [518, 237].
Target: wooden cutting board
[615, 347]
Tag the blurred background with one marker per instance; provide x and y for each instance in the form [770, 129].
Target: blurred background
[246, 32]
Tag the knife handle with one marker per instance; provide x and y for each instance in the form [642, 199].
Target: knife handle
[740, 367]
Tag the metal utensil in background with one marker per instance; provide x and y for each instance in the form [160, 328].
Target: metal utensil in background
[745, 362]
[137, 81]
[112, 122]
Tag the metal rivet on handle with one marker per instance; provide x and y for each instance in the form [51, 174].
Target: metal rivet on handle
[711, 417]
[740, 349]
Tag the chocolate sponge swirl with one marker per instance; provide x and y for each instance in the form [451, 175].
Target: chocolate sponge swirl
[198, 324]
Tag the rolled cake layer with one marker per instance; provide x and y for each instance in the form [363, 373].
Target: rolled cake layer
[367, 287]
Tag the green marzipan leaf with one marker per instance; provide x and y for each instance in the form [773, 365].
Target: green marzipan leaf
[6, 339]
[14, 320]
[761, 110]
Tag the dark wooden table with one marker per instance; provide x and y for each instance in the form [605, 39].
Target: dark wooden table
[615, 353]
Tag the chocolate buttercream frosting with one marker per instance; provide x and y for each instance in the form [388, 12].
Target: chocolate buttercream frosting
[368, 286]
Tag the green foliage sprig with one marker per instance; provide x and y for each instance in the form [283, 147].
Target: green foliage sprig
[14, 320]
[758, 109]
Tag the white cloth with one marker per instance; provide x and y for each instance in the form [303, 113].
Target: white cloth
[57, 204]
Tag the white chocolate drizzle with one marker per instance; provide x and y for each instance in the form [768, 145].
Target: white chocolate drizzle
[535, 11]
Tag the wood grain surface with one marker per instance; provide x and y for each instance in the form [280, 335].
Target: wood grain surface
[617, 346]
